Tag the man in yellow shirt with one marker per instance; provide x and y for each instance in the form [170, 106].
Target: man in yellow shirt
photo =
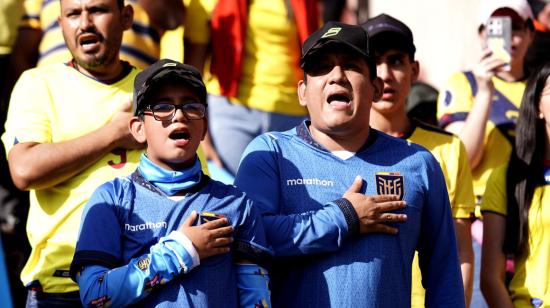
[66, 133]
[394, 50]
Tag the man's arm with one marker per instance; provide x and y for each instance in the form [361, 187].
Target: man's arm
[41, 165]
[437, 248]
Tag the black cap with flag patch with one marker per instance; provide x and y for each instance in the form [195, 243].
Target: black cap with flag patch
[352, 36]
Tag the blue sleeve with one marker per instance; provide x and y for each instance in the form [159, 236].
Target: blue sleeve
[437, 248]
[251, 243]
[127, 284]
[253, 286]
[319, 231]
[98, 266]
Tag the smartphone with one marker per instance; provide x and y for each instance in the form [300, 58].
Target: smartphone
[205, 217]
[499, 38]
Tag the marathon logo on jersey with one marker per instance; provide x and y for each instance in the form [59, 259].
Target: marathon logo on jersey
[390, 183]
[312, 181]
[146, 226]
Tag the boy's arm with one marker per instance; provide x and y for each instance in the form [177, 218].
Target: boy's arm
[317, 231]
[437, 248]
[128, 284]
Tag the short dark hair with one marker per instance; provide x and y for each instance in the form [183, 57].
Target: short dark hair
[120, 3]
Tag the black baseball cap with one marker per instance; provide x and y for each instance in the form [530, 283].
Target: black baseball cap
[388, 25]
[146, 79]
[352, 36]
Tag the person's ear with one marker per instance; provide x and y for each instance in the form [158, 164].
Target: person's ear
[137, 129]
[302, 86]
[127, 16]
[415, 71]
[205, 128]
[378, 86]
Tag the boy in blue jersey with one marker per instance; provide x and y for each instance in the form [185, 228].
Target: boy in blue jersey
[300, 178]
[133, 247]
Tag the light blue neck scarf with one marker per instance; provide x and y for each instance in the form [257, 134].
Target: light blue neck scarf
[170, 182]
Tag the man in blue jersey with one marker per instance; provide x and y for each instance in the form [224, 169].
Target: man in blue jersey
[133, 247]
[300, 178]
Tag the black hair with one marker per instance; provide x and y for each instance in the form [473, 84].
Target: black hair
[525, 169]
[120, 3]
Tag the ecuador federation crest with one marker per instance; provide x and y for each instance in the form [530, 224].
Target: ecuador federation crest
[390, 183]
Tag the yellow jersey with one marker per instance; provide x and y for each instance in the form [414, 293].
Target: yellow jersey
[449, 151]
[529, 286]
[56, 103]
[455, 101]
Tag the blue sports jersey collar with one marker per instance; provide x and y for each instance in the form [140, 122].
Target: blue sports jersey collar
[302, 131]
[170, 182]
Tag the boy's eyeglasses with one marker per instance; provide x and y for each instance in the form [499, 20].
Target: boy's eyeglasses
[166, 112]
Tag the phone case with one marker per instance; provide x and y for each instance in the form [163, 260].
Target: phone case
[499, 37]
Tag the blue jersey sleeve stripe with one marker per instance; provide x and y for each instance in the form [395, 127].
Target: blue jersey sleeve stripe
[145, 30]
[125, 49]
[472, 81]
[48, 2]
[452, 117]
[86, 257]
[29, 17]
[54, 25]
[56, 48]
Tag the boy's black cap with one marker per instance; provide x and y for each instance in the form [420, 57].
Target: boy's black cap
[164, 68]
[385, 24]
[336, 32]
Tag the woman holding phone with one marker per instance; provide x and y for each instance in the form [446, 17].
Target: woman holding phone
[516, 208]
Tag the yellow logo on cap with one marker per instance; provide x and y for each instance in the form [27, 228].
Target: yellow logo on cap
[331, 32]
